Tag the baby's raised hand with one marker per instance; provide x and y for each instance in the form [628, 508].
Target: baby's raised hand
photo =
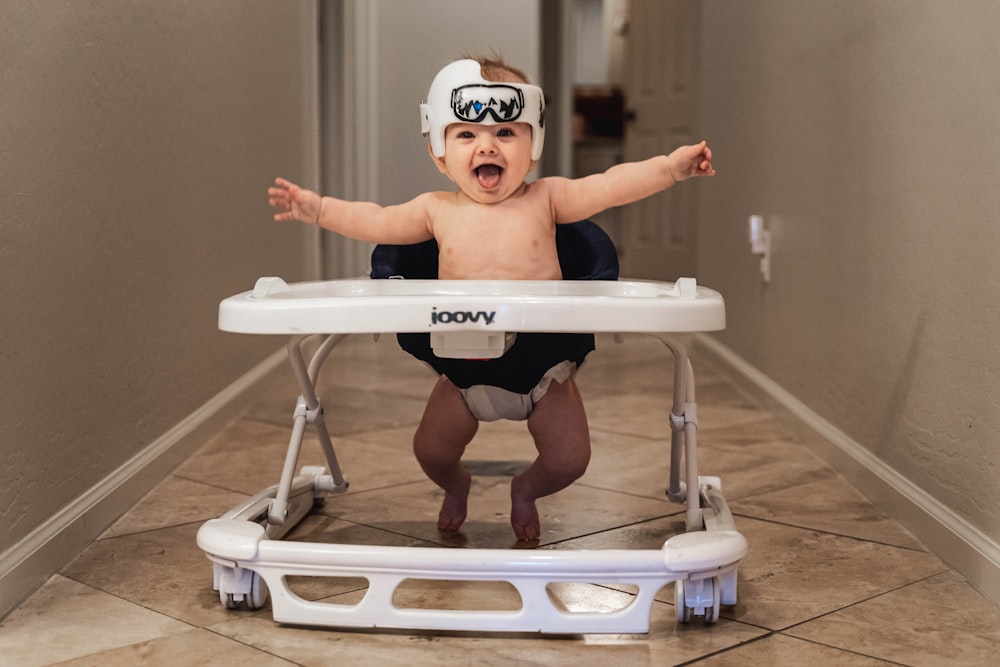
[690, 161]
[293, 202]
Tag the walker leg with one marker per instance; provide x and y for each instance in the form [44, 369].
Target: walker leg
[308, 410]
[676, 488]
[684, 438]
[278, 509]
[693, 519]
[333, 465]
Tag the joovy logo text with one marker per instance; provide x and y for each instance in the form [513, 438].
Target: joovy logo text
[461, 316]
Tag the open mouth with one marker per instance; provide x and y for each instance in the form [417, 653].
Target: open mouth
[488, 175]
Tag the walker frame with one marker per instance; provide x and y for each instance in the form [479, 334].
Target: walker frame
[251, 561]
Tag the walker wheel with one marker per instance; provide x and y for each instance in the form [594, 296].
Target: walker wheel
[683, 611]
[710, 612]
[259, 593]
[227, 600]
[255, 599]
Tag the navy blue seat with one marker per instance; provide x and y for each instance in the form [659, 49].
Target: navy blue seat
[586, 252]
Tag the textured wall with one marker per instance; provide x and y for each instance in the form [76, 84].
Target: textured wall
[866, 134]
[136, 140]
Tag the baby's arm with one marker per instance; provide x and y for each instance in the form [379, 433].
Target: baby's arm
[402, 224]
[581, 198]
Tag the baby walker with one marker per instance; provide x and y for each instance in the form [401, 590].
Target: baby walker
[251, 561]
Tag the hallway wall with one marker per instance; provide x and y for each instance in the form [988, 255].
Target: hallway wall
[865, 134]
[136, 141]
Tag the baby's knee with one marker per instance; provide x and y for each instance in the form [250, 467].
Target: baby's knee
[427, 449]
[567, 466]
[578, 464]
[432, 449]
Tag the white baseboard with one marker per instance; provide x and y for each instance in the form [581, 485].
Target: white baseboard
[48, 548]
[965, 548]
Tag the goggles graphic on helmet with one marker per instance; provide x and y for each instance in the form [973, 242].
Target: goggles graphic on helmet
[471, 103]
[460, 94]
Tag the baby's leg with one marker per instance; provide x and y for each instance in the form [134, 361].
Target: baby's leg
[445, 429]
[558, 424]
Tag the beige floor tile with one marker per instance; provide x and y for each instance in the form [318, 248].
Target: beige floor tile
[248, 457]
[828, 504]
[369, 466]
[66, 619]
[347, 409]
[642, 466]
[195, 647]
[939, 621]
[763, 437]
[173, 502]
[648, 416]
[397, 377]
[647, 349]
[362, 385]
[412, 510]
[666, 643]
[649, 534]
[495, 441]
[791, 575]
[629, 465]
[162, 570]
[653, 377]
[745, 473]
[602, 376]
[359, 361]
[781, 650]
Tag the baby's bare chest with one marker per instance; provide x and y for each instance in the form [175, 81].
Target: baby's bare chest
[500, 247]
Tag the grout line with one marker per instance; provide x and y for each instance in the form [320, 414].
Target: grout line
[823, 531]
[712, 654]
[862, 601]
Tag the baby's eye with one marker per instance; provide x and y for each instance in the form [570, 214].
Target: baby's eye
[505, 132]
[465, 134]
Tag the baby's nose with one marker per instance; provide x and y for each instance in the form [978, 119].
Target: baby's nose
[486, 144]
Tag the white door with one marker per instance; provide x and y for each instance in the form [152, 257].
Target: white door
[659, 234]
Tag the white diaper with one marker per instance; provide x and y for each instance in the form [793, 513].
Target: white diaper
[487, 403]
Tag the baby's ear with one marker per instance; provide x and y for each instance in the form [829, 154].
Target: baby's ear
[438, 161]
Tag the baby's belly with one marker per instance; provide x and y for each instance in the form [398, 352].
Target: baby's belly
[481, 272]
[494, 265]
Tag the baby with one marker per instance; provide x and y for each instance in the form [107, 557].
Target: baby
[486, 128]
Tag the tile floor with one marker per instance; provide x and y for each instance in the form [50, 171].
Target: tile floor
[829, 580]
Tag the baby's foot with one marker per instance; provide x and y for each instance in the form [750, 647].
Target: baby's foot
[454, 507]
[523, 513]
[452, 515]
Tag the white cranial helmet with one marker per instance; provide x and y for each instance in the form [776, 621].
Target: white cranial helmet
[460, 94]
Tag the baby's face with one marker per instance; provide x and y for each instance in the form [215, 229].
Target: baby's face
[487, 162]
